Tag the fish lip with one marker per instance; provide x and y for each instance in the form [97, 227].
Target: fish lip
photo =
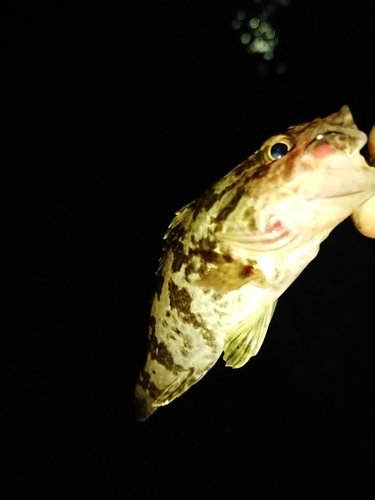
[342, 118]
[359, 136]
[336, 196]
[343, 195]
[261, 242]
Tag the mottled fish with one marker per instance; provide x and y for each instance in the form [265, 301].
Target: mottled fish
[230, 254]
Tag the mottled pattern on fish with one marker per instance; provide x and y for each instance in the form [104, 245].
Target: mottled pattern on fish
[231, 253]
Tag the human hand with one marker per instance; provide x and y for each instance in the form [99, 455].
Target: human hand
[364, 216]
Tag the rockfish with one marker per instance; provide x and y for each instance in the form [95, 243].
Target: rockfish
[230, 254]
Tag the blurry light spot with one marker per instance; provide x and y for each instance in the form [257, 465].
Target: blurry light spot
[260, 37]
[270, 33]
[271, 43]
[281, 68]
[245, 38]
[254, 22]
[255, 44]
[241, 14]
[236, 24]
[260, 45]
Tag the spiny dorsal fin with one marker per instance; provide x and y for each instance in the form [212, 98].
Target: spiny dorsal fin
[246, 339]
[174, 232]
[181, 214]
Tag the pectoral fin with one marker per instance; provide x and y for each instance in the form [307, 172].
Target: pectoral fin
[246, 339]
[228, 276]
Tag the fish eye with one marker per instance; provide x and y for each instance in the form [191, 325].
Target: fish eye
[276, 147]
[279, 150]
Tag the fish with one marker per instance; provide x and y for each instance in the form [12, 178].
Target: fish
[229, 255]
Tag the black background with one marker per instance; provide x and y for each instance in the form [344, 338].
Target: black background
[120, 115]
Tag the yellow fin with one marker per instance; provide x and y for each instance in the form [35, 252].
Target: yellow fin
[174, 232]
[246, 339]
[181, 216]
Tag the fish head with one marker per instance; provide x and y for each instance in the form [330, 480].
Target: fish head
[301, 184]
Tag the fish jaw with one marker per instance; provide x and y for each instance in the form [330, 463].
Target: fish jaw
[308, 215]
[325, 162]
[306, 193]
[341, 180]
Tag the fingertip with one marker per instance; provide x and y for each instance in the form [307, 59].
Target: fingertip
[364, 218]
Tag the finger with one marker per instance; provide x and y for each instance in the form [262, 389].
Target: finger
[364, 216]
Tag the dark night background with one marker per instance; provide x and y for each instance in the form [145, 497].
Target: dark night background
[120, 115]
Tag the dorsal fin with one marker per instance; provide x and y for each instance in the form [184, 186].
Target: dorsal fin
[175, 231]
[181, 215]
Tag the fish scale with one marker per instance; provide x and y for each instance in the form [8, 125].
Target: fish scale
[229, 255]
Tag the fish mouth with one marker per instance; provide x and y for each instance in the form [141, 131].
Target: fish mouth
[329, 142]
[343, 117]
[339, 131]
[342, 122]
[344, 195]
[261, 242]
[336, 196]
